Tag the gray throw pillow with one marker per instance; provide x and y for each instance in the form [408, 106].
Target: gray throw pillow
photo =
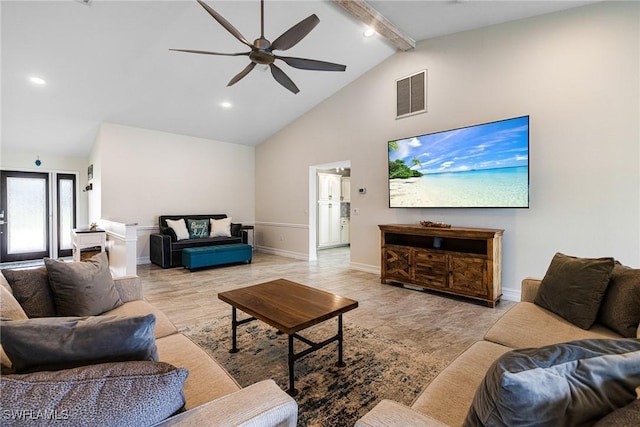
[620, 308]
[567, 384]
[82, 288]
[50, 344]
[112, 394]
[31, 289]
[573, 288]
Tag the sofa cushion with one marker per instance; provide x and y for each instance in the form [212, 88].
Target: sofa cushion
[112, 394]
[10, 310]
[82, 288]
[179, 227]
[574, 287]
[390, 413]
[568, 384]
[449, 395]
[260, 404]
[220, 227]
[620, 308]
[180, 351]
[542, 328]
[163, 326]
[50, 344]
[209, 241]
[625, 416]
[198, 228]
[30, 286]
[9, 307]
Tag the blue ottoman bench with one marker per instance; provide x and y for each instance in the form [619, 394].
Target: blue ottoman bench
[207, 256]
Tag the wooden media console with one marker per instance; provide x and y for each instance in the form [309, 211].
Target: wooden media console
[460, 261]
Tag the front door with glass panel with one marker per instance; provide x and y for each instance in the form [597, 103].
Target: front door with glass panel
[25, 203]
[66, 212]
[26, 231]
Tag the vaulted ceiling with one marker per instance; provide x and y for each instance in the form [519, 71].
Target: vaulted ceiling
[109, 61]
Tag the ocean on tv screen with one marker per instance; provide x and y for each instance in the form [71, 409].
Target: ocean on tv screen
[484, 165]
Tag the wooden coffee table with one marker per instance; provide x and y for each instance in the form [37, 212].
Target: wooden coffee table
[289, 307]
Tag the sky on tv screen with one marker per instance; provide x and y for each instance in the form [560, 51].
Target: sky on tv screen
[503, 144]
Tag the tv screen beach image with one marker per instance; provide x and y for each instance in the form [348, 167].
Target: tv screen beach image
[485, 165]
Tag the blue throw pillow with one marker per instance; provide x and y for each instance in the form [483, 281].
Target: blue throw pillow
[198, 228]
[568, 384]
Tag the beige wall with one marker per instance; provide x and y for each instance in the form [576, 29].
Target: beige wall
[576, 73]
[141, 174]
[23, 160]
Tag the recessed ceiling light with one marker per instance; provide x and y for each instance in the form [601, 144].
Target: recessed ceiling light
[369, 32]
[37, 81]
[225, 105]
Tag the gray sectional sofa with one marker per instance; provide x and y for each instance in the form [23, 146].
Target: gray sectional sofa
[211, 395]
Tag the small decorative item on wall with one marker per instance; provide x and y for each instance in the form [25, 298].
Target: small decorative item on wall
[38, 162]
[90, 172]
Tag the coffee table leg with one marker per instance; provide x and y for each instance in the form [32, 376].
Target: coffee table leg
[340, 363]
[234, 333]
[292, 390]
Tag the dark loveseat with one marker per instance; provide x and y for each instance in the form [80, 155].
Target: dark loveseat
[166, 249]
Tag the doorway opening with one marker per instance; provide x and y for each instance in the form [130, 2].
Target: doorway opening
[329, 208]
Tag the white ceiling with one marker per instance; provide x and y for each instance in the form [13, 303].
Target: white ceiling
[109, 62]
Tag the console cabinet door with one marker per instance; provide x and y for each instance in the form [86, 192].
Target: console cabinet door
[397, 260]
[430, 268]
[468, 275]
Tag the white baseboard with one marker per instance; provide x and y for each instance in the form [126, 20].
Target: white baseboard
[367, 268]
[281, 252]
[511, 294]
[143, 260]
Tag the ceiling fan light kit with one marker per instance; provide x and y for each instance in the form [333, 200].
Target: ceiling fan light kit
[261, 52]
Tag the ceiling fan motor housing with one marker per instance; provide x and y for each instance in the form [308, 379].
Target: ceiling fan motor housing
[261, 53]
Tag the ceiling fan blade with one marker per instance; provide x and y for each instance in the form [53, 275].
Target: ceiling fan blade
[283, 79]
[241, 74]
[296, 33]
[312, 64]
[226, 24]
[204, 52]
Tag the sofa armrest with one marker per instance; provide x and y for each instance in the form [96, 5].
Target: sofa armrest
[262, 404]
[529, 289]
[388, 413]
[129, 288]
[168, 231]
[160, 249]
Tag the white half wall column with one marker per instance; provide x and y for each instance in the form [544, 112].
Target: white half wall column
[122, 240]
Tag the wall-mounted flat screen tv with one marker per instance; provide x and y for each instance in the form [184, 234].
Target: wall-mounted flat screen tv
[480, 166]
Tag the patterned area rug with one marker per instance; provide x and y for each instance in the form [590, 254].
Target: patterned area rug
[377, 368]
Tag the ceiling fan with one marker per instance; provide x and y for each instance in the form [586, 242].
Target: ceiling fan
[262, 49]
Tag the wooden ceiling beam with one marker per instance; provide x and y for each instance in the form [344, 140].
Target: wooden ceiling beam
[374, 19]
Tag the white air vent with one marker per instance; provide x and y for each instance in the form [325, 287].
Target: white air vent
[411, 95]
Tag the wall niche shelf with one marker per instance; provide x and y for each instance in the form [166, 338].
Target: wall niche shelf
[460, 261]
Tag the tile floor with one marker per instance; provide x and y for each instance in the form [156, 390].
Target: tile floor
[442, 325]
